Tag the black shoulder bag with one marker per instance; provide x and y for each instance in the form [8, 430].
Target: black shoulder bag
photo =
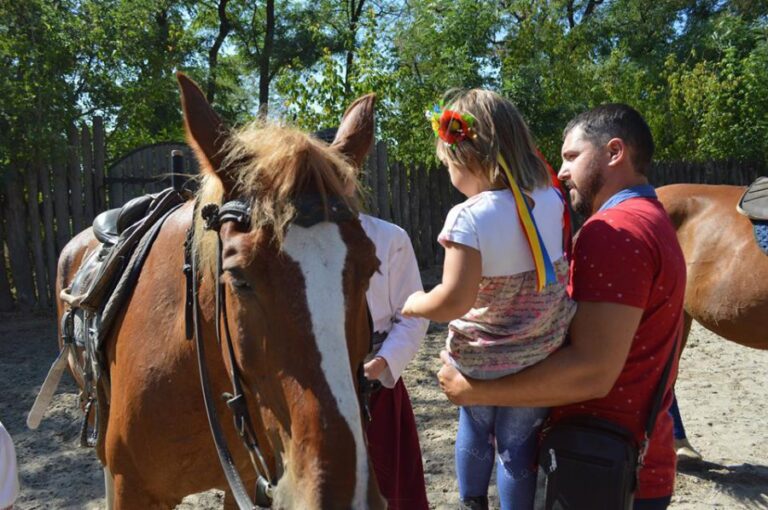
[592, 463]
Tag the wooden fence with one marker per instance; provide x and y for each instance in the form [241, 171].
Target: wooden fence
[44, 205]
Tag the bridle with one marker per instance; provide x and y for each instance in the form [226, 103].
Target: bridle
[310, 209]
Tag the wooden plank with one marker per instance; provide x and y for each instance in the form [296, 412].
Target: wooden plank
[435, 212]
[425, 229]
[6, 298]
[86, 153]
[394, 172]
[36, 235]
[74, 176]
[51, 255]
[382, 182]
[405, 206]
[61, 205]
[413, 194]
[18, 253]
[370, 179]
[99, 156]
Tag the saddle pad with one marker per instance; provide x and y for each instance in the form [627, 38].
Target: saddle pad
[754, 201]
[761, 234]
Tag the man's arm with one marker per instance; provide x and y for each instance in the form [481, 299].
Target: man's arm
[587, 368]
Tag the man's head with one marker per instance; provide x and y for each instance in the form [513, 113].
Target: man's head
[604, 150]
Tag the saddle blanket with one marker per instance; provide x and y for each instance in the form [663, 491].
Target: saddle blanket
[760, 229]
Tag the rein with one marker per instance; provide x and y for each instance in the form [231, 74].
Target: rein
[310, 209]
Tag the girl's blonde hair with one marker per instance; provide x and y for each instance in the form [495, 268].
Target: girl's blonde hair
[500, 130]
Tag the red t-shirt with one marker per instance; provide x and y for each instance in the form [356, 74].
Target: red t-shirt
[629, 254]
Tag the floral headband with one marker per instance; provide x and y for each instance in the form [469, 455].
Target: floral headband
[450, 126]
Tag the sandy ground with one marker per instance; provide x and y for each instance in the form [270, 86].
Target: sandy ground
[722, 390]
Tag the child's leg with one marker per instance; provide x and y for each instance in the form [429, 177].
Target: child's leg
[517, 430]
[475, 450]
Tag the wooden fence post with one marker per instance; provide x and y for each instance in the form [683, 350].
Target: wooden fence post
[394, 172]
[413, 195]
[6, 299]
[382, 186]
[51, 255]
[35, 235]
[435, 212]
[425, 219]
[61, 204]
[74, 178]
[405, 201]
[370, 181]
[16, 228]
[87, 157]
[100, 202]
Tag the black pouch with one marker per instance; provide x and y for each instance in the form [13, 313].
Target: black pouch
[590, 464]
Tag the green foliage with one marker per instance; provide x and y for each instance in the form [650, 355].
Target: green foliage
[697, 69]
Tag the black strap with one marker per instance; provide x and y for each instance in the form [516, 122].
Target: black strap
[230, 471]
[659, 395]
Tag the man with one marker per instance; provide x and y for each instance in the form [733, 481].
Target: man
[628, 278]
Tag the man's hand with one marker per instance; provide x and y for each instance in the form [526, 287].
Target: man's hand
[452, 382]
[374, 368]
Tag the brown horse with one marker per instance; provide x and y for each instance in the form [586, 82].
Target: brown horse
[727, 287]
[296, 311]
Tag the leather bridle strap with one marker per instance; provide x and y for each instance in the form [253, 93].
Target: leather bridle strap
[236, 402]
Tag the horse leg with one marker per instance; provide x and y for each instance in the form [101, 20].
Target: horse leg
[109, 489]
[229, 501]
[683, 447]
[129, 495]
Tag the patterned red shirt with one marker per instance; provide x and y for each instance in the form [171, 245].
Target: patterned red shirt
[629, 254]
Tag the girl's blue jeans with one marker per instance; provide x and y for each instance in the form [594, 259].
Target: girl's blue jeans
[513, 433]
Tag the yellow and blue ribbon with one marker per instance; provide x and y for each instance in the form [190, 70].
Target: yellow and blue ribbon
[545, 270]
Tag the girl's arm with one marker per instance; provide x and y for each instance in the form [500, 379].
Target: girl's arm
[462, 270]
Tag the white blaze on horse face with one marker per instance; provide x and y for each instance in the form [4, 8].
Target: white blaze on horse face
[321, 255]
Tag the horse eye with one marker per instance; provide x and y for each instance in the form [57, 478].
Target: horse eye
[238, 282]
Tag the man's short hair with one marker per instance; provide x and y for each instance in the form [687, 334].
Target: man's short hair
[616, 120]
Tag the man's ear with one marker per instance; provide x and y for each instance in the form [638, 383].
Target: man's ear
[617, 151]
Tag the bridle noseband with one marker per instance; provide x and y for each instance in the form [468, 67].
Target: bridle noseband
[310, 209]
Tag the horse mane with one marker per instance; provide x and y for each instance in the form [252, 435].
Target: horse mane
[272, 164]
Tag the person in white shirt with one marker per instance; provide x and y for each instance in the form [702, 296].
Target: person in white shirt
[393, 442]
[9, 476]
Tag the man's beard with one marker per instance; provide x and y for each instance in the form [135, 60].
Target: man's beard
[585, 195]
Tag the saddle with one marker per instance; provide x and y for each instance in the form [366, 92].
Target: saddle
[97, 293]
[754, 205]
[754, 202]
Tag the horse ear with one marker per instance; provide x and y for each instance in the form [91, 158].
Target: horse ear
[355, 134]
[206, 133]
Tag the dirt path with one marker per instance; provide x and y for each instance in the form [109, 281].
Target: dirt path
[722, 390]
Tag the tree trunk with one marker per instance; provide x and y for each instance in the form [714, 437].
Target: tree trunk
[100, 201]
[35, 235]
[51, 256]
[382, 186]
[213, 53]
[75, 185]
[16, 227]
[266, 56]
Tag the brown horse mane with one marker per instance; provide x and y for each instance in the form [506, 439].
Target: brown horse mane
[272, 164]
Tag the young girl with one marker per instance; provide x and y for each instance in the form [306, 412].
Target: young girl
[503, 287]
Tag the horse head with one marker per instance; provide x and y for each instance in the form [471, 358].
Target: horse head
[294, 277]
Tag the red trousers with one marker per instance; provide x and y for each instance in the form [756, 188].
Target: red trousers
[393, 445]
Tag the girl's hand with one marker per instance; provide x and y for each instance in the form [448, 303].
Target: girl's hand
[374, 368]
[408, 308]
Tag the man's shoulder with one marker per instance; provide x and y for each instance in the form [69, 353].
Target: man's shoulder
[376, 227]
